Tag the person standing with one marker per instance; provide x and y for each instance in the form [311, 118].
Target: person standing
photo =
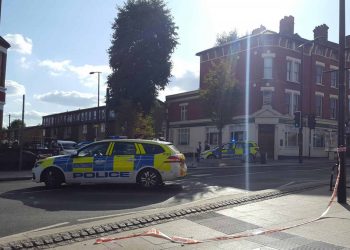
[199, 150]
[206, 146]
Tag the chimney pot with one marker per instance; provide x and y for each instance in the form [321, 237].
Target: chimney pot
[287, 25]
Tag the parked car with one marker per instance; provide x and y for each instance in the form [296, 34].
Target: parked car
[38, 149]
[145, 162]
[9, 159]
[82, 144]
[234, 149]
[67, 147]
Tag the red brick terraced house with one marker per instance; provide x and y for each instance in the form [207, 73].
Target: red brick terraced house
[269, 66]
[3, 55]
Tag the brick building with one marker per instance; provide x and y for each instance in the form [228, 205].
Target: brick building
[79, 125]
[269, 67]
[3, 55]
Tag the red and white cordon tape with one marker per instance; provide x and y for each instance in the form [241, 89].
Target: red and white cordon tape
[181, 240]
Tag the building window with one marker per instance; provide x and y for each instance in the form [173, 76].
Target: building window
[268, 63]
[267, 97]
[237, 135]
[319, 74]
[103, 114]
[212, 136]
[292, 102]
[318, 139]
[291, 138]
[293, 71]
[333, 107]
[84, 129]
[183, 110]
[334, 79]
[319, 103]
[103, 127]
[183, 136]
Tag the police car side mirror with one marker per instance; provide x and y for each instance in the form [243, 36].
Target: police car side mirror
[74, 155]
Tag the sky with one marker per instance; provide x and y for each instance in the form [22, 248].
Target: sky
[56, 43]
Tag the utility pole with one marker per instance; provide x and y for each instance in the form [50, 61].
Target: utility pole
[341, 194]
[21, 137]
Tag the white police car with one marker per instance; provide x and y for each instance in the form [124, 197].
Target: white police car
[146, 162]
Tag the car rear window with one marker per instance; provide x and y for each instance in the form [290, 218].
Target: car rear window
[152, 149]
[173, 148]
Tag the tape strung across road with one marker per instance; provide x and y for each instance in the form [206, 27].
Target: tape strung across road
[181, 240]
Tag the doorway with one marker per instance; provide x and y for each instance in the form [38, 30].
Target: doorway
[266, 138]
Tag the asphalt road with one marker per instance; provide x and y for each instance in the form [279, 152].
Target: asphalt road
[25, 205]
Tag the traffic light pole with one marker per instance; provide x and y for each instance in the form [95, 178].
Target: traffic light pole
[341, 194]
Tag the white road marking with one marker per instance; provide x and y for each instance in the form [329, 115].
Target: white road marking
[114, 215]
[36, 230]
[286, 184]
[39, 191]
[262, 172]
[200, 175]
[52, 226]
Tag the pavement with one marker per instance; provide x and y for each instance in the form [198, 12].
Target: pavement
[15, 175]
[330, 232]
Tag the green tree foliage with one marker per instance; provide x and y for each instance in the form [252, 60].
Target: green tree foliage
[224, 37]
[143, 40]
[222, 94]
[16, 124]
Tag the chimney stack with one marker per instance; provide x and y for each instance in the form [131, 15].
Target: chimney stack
[287, 25]
[322, 32]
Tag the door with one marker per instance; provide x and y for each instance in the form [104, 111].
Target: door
[227, 151]
[90, 162]
[125, 159]
[266, 138]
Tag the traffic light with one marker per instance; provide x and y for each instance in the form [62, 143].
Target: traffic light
[297, 119]
[311, 121]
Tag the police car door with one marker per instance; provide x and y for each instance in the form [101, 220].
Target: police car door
[226, 151]
[124, 162]
[88, 166]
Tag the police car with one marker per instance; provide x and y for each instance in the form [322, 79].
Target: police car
[145, 162]
[233, 149]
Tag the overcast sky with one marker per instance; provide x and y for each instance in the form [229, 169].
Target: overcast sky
[56, 43]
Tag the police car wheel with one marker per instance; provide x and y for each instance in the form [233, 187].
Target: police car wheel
[149, 178]
[211, 157]
[53, 178]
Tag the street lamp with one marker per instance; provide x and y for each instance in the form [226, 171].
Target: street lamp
[98, 86]
[98, 98]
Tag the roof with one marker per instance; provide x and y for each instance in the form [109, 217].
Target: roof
[295, 36]
[136, 140]
[4, 43]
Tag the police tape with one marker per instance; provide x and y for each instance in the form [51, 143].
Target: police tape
[181, 240]
[153, 233]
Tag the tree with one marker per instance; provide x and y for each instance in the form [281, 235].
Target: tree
[221, 96]
[16, 124]
[224, 37]
[143, 40]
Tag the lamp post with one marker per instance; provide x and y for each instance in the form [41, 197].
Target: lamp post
[341, 194]
[98, 98]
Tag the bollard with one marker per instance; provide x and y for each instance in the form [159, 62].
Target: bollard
[263, 157]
